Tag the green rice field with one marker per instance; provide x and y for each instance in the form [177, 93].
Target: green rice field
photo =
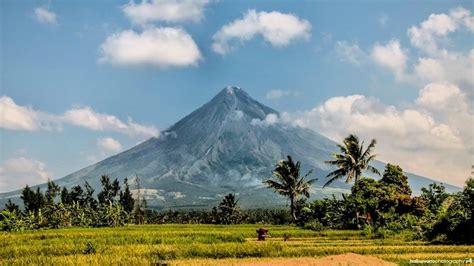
[207, 245]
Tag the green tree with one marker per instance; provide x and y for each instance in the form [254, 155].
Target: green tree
[352, 160]
[434, 196]
[12, 207]
[89, 200]
[65, 199]
[126, 198]
[455, 217]
[393, 175]
[368, 194]
[397, 191]
[51, 192]
[110, 190]
[32, 201]
[288, 182]
[229, 211]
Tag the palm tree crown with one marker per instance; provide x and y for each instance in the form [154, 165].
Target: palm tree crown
[352, 160]
[288, 182]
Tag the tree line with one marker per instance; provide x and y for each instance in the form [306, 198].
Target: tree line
[378, 206]
[55, 208]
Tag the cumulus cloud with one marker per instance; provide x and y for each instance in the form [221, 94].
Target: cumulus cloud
[45, 16]
[162, 47]
[13, 116]
[172, 11]
[427, 137]
[109, 145]
[88, 118]
[350, 52]
[391, 56]
[16, 173]
[433, 30]
[278, 29]
[436, 60]
[442, 97]
[453, 67]
[17, 117]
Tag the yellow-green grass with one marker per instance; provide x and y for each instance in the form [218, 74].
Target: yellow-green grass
[198, 244]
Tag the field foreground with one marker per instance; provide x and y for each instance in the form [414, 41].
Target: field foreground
[214, 245]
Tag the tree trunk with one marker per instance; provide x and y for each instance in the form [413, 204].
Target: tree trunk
[292, 208]
[357, 219]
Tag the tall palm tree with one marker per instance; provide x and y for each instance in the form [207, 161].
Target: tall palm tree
[288, 182]
[352, 160]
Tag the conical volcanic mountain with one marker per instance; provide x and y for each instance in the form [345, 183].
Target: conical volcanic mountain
[230, 144]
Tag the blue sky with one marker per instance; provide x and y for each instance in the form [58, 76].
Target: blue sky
[82, 80]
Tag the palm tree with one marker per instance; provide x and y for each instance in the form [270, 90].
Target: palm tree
[229, 210]
[352, 160]
[288, 182]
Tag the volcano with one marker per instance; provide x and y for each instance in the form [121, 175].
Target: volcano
[229, 145]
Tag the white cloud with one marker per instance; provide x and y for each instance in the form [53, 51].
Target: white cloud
[16, 117]
[350, 53]
[237, 115]
[165, 10]
[391, 56]
[441, 96]
[86, 117]
[270, 119]
[162, 47]
[16, 173]
[45, 16]
[448, 66]
[432, 137]
[109, 145]
[430, 32]
[277, 94]
[13, 116]
[276, 28]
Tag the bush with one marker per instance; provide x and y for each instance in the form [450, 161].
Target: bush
[314, 225]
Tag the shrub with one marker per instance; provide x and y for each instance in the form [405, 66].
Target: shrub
[314, 225]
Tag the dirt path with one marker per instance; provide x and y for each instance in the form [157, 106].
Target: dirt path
[349, 259]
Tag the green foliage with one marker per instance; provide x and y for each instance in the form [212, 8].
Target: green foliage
[314, 225]
[51, 192]
[110, 190]
[11, 221]
[454, 221]
[229, 212]
[12, 207]
[126, 198]
[434, 196]
[33, 201]
[393, 176]
[288, 182]
[59, 208]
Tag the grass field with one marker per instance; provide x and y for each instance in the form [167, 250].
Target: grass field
[205, 244]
